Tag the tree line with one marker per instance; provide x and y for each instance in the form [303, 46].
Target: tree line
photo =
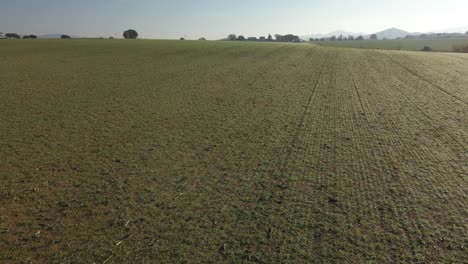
[16, 36]
[278, 38]
[344, 38]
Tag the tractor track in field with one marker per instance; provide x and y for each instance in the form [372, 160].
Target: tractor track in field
[450, 72]
[407, 192]
[446, 122]
[307, 107]
[354, 83]
[431, 120]
[427, 139]
[424, 79]
[282, 164]
[363, 129]
[231, 152]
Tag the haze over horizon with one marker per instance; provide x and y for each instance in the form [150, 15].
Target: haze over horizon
[215, 19]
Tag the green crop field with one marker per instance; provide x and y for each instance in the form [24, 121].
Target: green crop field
[115, 151]
[440, 45]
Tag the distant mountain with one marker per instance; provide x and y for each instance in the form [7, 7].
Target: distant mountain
[54, 36]
[393, 33]
[334, 33]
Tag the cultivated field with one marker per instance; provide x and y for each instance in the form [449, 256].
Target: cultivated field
[441, 45]
[119, 151]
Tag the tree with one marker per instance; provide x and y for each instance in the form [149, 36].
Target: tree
[25, 37]
[270, 38]
[202, 39]
[111, 37]
[466, 33]
[231, 37]
[340, 38]
[12, 35]
[350, 37]
[287, 38]
[241, 38]
[130, 34]
[65, 37]
[360, 38]
[427, 48]
[182, 39]
[333, 38]
[373, 36]
[32, 36]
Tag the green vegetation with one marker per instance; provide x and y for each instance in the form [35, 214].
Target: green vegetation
[141, 151]
[130, 34]
[439, 44]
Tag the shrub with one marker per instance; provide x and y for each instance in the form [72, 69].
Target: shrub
[130, 34]
[427, 48]
[463, 49]
[12, 35]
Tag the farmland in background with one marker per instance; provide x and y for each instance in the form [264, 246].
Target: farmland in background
[440, 44]
[180, 151]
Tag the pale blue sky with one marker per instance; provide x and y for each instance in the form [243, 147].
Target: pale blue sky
[215, 19]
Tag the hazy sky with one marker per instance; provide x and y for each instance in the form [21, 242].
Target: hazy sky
[216, 18]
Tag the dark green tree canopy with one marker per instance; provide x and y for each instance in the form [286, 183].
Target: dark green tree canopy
[65, 37]
[12, 35]
[130, 34]
[287, 38]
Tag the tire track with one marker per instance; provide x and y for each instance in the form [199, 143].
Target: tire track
[354, 83]
[306, 111]
[424, 79]
[422, 182]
